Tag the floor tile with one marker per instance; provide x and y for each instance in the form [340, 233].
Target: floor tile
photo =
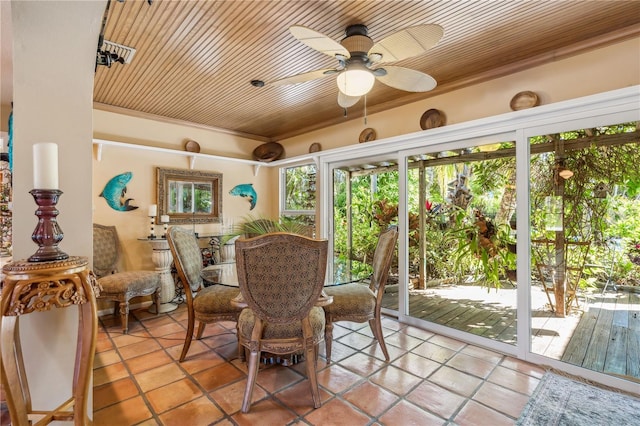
[159, 376]
[337, 379]
[195, 363]
[277, 377]
[456, 381]
[405, 413]
[218, 376]
[514, 380]
[430, 380]
[230, 397]
[362, 364]
[435, 399]
[129, 412]
[370, 398]
[265, 412]
[337, 413]
[434, 352]
[148, 361]
[106, 358]
[501, 399]
[397, 381]
[108, 374]
[484, 354]
[136, 349]
[173, 395]
[299, 399]
[523, 367]
[472, 365]
[473, 411]
[198, 412]
[403, 340]
[165, 329]
[447, 342]
[114, 392]
[340, 351]
[416, 364]
[356, 340]
[417, 332]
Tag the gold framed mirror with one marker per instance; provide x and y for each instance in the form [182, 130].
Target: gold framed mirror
[189, 196]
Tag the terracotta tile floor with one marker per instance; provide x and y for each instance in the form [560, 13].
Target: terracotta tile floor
[431, 379]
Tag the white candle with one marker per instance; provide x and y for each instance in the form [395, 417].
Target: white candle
[153, 210]
[164, 218]
[45, 165]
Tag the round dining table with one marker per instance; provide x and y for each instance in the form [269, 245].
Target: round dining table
[227, 274]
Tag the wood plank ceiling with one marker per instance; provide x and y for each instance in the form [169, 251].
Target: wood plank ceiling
[195, 59]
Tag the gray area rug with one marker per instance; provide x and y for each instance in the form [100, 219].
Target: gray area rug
[559, 400]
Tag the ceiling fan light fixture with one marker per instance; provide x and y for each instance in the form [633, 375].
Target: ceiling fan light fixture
[355, 81]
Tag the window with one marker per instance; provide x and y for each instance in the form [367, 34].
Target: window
[298, 193]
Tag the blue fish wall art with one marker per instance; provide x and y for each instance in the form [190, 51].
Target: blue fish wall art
[246, 190]
[115, 190]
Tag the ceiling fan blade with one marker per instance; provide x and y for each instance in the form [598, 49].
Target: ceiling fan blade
[347, 101]
[407, 79]
[301, 78]
[318, 41]
[412, 41]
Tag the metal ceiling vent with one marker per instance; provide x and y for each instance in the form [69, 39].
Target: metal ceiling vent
[124, 53]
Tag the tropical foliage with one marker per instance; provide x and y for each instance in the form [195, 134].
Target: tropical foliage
[468, 231]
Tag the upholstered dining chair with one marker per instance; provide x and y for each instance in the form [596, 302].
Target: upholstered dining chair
[204, 304]
[358, 302]
[281, 276]
[120, 287]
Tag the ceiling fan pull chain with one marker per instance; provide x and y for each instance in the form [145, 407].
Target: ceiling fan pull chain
[365, 110]
[345, 112]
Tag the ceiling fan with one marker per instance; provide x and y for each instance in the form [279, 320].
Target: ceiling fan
[361, 61]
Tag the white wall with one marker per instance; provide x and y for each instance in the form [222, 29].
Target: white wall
[53, 92]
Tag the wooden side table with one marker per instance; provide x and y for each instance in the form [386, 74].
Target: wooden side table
[36, 287]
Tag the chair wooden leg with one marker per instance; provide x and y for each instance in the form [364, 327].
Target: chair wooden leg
[328, 338]
[201, 326]
[376, 327]
[312, 375]
[187, 339]
[251, 380]
[124, 316]
[116, 308]
[156, 300]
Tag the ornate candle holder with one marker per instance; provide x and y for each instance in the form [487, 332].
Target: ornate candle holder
[152, 234]
[47, 233]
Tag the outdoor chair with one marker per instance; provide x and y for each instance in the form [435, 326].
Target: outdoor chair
[549, 263]
[204, 304]
[120, 287]
[281, 277]
[358, 302]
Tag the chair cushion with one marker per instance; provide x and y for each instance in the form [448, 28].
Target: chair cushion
[215, 299]
[131, 281]
[352, 299]
[282, 331]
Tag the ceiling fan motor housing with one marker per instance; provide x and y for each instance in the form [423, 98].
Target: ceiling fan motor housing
[357, 41]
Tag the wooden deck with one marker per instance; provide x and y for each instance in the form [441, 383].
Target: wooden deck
[607, 338]
[603, 335]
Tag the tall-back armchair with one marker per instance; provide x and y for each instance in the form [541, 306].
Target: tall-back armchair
[120, 286]
[204, 304]
[358, 302]
[281, 277]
